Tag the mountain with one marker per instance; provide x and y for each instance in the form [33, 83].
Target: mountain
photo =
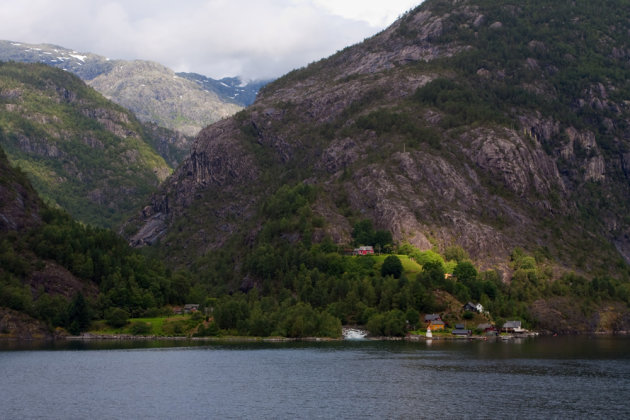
[483, 124]
[155, 93]
[20, 211]
[85, 65]
[186, 102]
[234, 88]
[56, 272]
[81, 151]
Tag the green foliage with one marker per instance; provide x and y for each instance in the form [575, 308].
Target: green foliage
[426, 257]
[391, 267]
[210, 330]
[116, 317]
[128, 282]
[465, 272]
[363, 233]
[140, 328]
[79, 316]
[391, 323]
[81, 152]
[230, 313]
[461, 104]
[456, 253]
[387, 122]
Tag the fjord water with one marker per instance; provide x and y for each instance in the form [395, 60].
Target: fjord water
[554, 377]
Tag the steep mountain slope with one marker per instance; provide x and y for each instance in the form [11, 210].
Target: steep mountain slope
[149, 89]
[20, 211]
[486, 124]
[56, 272]
[82, 152]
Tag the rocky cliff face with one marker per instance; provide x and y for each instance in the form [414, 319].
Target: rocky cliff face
[463, 123]
[19, 204]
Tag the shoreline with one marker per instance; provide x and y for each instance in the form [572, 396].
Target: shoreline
[246, 339]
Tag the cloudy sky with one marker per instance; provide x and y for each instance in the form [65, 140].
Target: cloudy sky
[254, 39]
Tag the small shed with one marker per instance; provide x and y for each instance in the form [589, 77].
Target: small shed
[460, 329]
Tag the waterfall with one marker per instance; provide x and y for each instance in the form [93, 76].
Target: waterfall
[354, 334]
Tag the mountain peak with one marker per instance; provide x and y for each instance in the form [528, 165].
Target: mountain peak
[152, 91]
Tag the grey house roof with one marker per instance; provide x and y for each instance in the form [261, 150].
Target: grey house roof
[512, 324]
[431, 317]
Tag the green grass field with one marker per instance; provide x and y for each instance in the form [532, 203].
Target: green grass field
[159, 326]
[409, 265]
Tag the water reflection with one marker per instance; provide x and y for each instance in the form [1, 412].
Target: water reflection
[562, 377]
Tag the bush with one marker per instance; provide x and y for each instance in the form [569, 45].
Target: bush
[212, 330]
[116, 317]
[390, 324]
[140, 328]
[391, 267]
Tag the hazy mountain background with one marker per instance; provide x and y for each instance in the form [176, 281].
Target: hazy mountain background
[184, 102]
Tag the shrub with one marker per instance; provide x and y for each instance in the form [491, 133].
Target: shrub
[140, 328]
[391, 267]
[211, 330]
[116, 317]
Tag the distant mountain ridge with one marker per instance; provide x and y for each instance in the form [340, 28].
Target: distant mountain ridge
[186, 102]
[234, 88]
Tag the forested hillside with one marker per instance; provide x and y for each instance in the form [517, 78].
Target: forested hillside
[66, 274]
[481, 148]
[496, 127]
[81, 152]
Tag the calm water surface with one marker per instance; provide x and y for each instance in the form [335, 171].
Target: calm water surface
[558, 377]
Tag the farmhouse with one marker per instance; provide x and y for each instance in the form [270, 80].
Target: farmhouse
[431, 317]
[472, 307]
[513, 327]
[363, 250]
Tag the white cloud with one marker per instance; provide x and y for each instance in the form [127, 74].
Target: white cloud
[251, 38]
[377, 13]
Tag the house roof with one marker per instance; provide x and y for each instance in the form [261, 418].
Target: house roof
[484, 326]
[512, 324]
[473, 306]
[431, 317]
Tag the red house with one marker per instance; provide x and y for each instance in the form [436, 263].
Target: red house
[364, 250]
